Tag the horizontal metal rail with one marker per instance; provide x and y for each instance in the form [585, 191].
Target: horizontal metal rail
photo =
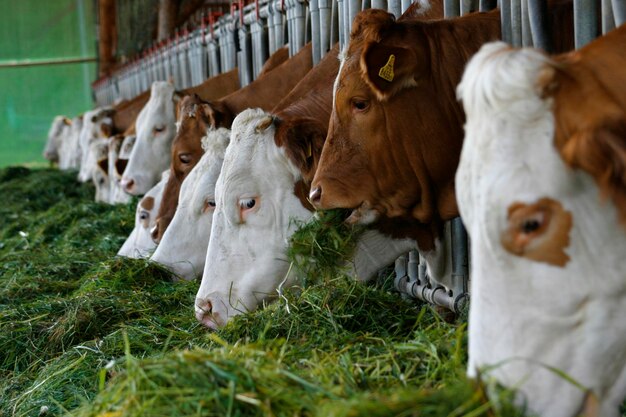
[49, 61]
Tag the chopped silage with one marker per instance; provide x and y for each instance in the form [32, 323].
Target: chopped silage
[84, 333]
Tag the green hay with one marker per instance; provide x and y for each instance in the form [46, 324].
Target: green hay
[83, 333]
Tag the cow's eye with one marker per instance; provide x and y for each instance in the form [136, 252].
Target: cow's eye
[144, 215]
[359, 104]
[159, 129]
[185, 158]
[209, 204]
[247, 203]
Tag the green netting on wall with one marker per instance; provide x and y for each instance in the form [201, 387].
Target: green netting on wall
[31, 96]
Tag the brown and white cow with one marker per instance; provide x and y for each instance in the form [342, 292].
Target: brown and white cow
[395, 133]
[69, 151]
[97, 124]
[541, 186]
[59, 129]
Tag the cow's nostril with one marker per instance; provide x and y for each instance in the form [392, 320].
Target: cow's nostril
[128, 184]
[315, 195]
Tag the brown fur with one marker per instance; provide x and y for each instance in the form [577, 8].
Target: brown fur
[277, 58]
[548, 237]
[589, 91]
[195, 118]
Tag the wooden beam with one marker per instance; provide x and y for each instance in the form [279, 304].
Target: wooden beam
[106, 36]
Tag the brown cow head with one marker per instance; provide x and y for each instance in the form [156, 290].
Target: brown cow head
[395, 132]
[195, 117]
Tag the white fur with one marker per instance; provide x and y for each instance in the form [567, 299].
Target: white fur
[183, 247]
[69, 151]
[98, 150]
[118, 195]
[55, 137]
[139, 243]
[526, 316]
[152, 151]
[90, 131]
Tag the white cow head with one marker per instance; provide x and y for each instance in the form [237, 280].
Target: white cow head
[139, 243]
[70, 154]
[99, 149]
[117, 167]
[183, 247]
[156, 128]
[97, 123]
[253, 220]
[548, 256]
[56, 135]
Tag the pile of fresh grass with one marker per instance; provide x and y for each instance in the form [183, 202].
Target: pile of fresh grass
[84, 333]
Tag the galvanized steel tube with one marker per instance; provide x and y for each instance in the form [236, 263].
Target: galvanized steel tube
[505, 20]
[394, 7]
[452, 8]
[585, 27]
[379, 4]
[405, 5]
[325, 11]
[486, 5]
[619, 12]
[516, 23]
[527, 37]
[354, 9]
[315, 31]
[341, 25]
[538, 16]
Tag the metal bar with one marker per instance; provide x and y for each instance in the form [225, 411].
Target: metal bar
[354, 9]
[405, 5]
[315, 31]
[325, 8]
[537, 13]
[379, 4]
[619, 11]
[341, 26]
[608, 18]
[486, 5]
[334, 24]
[527, 37]
[451, 8]
[37, 62]
[505, 20]
[394, 7]
[460, 260]
[516, 23]
[585, 26]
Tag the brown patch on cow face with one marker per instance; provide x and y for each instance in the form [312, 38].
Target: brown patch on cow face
[147, 203]
[303, 139]
[538, 231]
[590, 113]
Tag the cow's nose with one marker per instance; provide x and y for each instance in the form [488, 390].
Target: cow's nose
[204, 313]
[154, 233]
[315, 196]
[128, 184]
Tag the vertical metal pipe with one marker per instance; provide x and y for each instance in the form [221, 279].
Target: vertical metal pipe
[486, 5]
[300, 24]
[355, 8]
[315, 31]
[451, 8]
[335, 28]
[608, 19]
[341, 24]
[538, 16]
[527, 38]
[460, 258]
[466, 7]
[619, 11]
[366, 4]
[505, 20]
[585, 26]
[379, 4]
[325, 27]
[405, 5]
[394, 7]
[516, 22]
[271, 38]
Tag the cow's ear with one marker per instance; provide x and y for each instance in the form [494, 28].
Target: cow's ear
[104, 165]
[67, 121]
[388, 69]
[177, 98]
[371, 25]
[601, 151]
[302, 140]
[217, 114]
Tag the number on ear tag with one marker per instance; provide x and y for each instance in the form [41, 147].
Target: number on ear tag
[386, 72]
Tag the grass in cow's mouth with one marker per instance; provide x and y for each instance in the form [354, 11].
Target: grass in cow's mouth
[84, 333]
[320, 247]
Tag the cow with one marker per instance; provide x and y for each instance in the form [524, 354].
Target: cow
[541, 186]
[117, 165]
[97, 124]
[155, 127]
[116, 194]
[198, 114]
[99, 150]
[183, 246]
[139, 244]
[274, 60]
[69, 151]
[58, 131]
[294, 137]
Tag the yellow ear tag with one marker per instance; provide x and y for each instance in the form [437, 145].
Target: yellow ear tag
[386, 72]
[308, 151]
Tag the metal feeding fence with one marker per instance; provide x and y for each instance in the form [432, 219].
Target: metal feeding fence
[250, 33]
